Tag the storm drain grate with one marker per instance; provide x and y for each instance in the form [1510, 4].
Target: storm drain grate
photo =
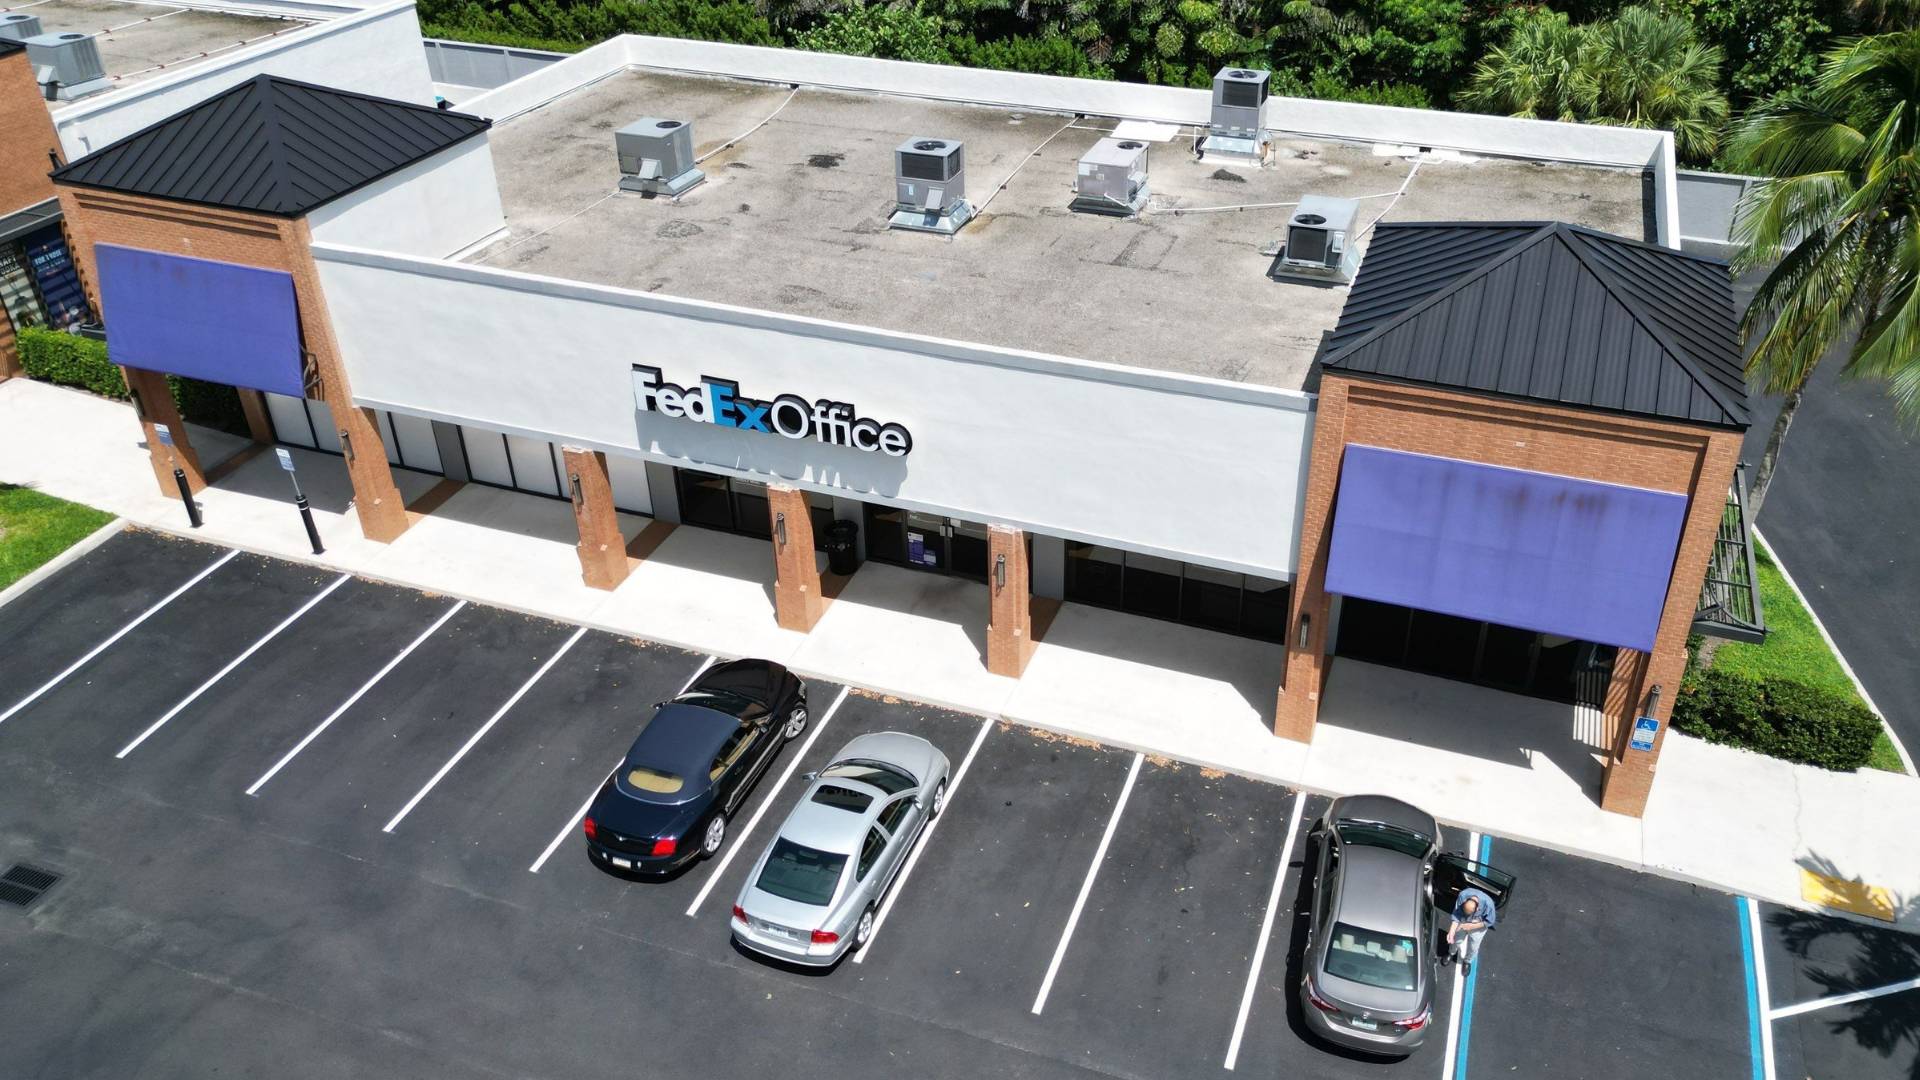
[23, 884]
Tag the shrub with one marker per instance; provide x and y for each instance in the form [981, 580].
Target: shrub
[1777, 717]
[71, 360]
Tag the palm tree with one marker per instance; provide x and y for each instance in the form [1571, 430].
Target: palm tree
[1639, 69]
[1837, 225]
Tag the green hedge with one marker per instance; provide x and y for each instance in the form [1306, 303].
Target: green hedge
[1777, 717]
[70, 360]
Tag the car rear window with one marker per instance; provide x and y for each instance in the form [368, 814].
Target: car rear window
[796, 872]
[885, 777]
[1363, 956]
[842, 798]
[654, 783]
[1391, 837]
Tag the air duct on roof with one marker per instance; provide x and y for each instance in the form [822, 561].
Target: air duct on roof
[656, 157]
[930, 186]
[67, 65]
[1112, 178]
[1236, 130]
[19, 27]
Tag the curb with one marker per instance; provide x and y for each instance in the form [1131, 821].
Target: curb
[60, 562]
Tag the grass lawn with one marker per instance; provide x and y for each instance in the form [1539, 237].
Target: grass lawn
[36, 527]
[1795, 650]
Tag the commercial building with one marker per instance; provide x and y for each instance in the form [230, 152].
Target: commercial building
[762, 291]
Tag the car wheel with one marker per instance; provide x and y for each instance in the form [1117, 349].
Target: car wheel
[715, 836]
[939, 801]
[796, 721]
[863, 929]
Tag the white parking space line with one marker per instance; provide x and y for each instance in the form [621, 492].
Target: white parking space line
[1266, 931]
[926, 837]
[357, 695]
[773, 794]
[574, 822]
[117, 635]
[1086, 887]
[1447, 1062]
[475, 738]
[1855, 997]
[231, 664]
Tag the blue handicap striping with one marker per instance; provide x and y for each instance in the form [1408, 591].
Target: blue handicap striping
[1754, 1019]
[1466, 1005]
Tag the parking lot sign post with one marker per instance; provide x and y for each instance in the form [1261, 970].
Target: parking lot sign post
[179, 475]
[300, 500]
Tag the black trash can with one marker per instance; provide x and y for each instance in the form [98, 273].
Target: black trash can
[843, 556]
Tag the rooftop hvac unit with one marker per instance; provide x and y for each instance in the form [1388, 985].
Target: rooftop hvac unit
[656, 157]
[930, 186]
[67, 65]
[1112, 178]
[1320, 242]
[1235, 130]
[19, 27]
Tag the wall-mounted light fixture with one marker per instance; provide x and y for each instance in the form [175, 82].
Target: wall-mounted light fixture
[780, 529]
[139, 406]
[999, 572]
[346, 444]
[1653, 700]
[573, 479]
[1306, 631]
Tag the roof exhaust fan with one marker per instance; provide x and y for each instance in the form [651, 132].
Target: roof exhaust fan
[18, 26]
[1236, 131]
[67, 65]
[656, 157]
[1320, 243]
[930, 186]
[1112, 178]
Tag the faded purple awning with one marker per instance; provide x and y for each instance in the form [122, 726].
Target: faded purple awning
[1530, 550]
[217, 321]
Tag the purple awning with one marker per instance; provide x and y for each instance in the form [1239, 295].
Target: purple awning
[217, 321]
[1530, 550]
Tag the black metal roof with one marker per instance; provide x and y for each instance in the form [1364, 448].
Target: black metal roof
[273, 145]
[8, 47]
[1549, 312]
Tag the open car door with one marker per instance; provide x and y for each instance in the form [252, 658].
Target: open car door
[1453, 872]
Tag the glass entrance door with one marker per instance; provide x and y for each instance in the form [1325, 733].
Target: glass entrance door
[927, 541]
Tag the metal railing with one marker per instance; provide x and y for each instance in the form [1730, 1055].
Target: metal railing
[1730, 595]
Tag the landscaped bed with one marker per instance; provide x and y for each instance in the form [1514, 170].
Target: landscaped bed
[36, 527]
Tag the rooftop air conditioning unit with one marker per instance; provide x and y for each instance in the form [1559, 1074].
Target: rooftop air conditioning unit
[1320, 243]
[1112, 178]
[656, 157]
[1235, 130]
[19, 27]
[67, 65]
[930, 186]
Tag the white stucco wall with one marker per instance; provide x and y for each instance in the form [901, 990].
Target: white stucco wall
[374, 51]
[1201, 469]
[436, 207]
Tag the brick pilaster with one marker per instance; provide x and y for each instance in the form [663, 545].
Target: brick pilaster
[153, 404]
[1298, 706]
[1010, 594]
[9, 348]
[603, 551]
[797, 601]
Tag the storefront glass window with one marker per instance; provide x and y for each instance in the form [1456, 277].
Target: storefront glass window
[1542, 665]
[1222, 600]
[53, 272]
[1211, 598]
[750, 514]
[1152, 586]
[886, 533]
[1263, 611]
[704, 500]
[16, 288]
[1093, 575]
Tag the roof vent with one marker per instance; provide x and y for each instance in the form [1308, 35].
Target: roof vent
[19, 27]
[67, 65]
[1320, 241]
[1111, 179]
[656, 157]
[930, 186]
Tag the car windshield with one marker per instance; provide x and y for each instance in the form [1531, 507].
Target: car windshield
[885, 777]
[1391, 837]
[796, 872]
[841, 798]
[1363, 956]
[725, 701]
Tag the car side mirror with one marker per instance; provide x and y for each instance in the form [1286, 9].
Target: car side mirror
[810, 777]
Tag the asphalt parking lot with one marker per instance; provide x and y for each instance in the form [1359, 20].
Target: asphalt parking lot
[310, 825]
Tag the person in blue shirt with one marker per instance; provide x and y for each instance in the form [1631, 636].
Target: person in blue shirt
[1473, 916]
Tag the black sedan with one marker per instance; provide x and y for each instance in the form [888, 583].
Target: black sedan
[692, 766]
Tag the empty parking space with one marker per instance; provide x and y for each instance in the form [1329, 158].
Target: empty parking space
[1842, 994]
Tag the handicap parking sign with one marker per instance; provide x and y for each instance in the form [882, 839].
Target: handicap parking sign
[1644, 729]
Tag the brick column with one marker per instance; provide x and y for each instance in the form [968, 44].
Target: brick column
[254, 404]
[9, 348]
[603, 551]
[153, 404]
[1298, 707]
[1009, 616]
[797, 602]
[1629, 777]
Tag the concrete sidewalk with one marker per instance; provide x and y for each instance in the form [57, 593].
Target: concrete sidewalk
[1501, 763]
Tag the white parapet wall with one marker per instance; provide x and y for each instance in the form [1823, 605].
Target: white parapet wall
[439, 207]
[1470, 133]
[374, 51]
[1200, 469]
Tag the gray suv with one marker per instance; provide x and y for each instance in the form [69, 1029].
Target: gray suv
[1382, 891]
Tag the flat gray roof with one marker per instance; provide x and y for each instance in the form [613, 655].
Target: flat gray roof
[145, 36]
[794, 220]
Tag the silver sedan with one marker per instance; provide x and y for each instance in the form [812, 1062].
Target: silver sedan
[812, 896]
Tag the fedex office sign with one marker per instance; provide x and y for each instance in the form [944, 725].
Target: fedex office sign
[719, 402]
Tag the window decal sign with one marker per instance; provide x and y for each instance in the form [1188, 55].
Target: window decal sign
[719, 402]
